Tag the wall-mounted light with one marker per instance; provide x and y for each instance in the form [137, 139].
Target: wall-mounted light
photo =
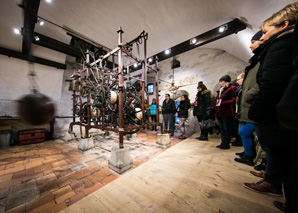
[36, 38]
[41, 22]
[223, 28]
[17, 31]
[150, 60]
[168, 51]
[135, 65]
[193, 41]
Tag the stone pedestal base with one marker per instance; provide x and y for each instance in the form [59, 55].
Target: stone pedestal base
[120, 160]
[70, 136]
[86, 144]
[163, 141]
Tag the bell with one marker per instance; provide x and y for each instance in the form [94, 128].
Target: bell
[36, 109]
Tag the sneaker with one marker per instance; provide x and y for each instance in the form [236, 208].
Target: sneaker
[240, 154]
[281, 206]
[203, 138]
[261, 166]
[264, 187]
[258, 174]
[219, 146]
[246, 160]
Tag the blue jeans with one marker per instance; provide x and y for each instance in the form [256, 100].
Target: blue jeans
[226, 125]
[245, 132]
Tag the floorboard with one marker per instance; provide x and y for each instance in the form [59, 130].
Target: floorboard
[192, 176]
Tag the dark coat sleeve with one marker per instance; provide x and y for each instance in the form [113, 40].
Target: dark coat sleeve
[273, 76]
[173, 106]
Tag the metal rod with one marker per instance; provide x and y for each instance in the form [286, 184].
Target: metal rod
[120, 83]
[105, 56]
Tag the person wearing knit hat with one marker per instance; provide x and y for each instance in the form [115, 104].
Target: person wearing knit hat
[224, 110]
[257, 36]
[225, 78]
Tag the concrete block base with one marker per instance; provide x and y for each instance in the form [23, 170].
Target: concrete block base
[86, 144]
[70, 136]
[163, 141]
[120, 160]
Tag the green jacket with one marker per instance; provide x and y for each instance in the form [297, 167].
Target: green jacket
[250, 89]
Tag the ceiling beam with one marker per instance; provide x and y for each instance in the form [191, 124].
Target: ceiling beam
[230, 28]
[56, 45]
[27, 57]
[30, 19]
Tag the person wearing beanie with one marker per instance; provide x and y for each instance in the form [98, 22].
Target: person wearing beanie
[225, 78]
[224, 110]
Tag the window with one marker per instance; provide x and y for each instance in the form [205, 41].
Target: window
[150, 88]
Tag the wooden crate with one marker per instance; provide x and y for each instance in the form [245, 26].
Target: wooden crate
[29, 136]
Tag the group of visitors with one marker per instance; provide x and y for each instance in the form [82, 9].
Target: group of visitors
[254, 101]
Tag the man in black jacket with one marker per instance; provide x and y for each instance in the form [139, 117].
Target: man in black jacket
[168, 112]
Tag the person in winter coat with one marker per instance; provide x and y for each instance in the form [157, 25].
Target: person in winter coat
[287, 111]
[245, 129]
[203, 108]
[273, 78]
[223, 110]
[182, 112]
[168, 112]
[152, 108]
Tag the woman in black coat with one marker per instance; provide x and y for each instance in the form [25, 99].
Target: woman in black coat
[273, 77]
[182, 112]
[203, 109]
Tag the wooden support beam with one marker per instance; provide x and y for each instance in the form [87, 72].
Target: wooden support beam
[30, 19]
[56, 45]
[26, 57]
[230, 28]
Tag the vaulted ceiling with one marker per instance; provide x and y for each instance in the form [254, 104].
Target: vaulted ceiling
[167, 22]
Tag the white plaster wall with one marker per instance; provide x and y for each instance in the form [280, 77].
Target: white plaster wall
[14, 83]
[206, 65]
[200, 64]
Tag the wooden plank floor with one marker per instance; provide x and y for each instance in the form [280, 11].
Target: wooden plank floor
[192, 176]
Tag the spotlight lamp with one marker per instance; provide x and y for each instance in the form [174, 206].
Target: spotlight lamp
[150, 60]
[223, 28]
[168, 51]
[193, 41]
[36, 38]
[41, 23]
[135, 65]
[17, 31]
[48, 1]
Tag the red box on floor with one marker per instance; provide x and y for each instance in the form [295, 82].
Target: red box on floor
[29, 136]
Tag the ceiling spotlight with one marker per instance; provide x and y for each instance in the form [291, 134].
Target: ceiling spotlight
[223, 28]
[168, 51]
[49, 1]
[135, 65]
[17, 31]
[36, 38]
[193, 41]
[150, 59]
[41, 23]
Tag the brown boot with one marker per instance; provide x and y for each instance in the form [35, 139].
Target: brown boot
[258, 174]
[264, 187]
